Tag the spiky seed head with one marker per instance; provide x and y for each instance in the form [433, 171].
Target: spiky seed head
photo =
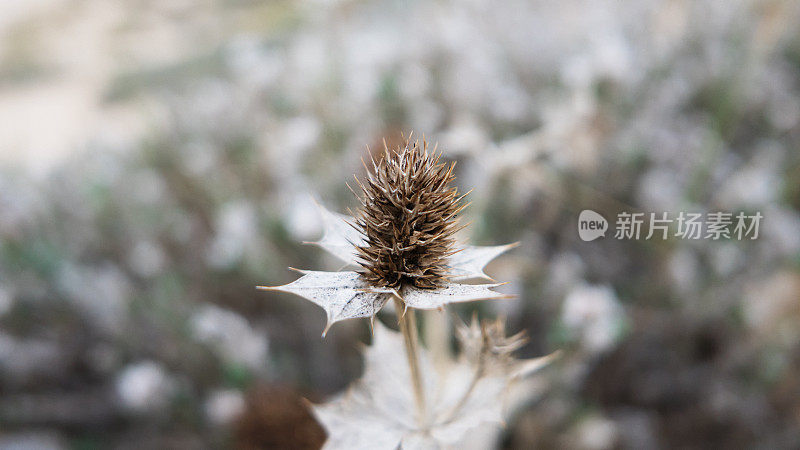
[487, 341]
[408, 217]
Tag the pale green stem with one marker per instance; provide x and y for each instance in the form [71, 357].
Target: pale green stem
[476, 376]
[408, 326]
[436, 329]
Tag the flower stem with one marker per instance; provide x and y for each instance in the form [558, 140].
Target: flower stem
[436, 334]
[476, 376]
[408, 326]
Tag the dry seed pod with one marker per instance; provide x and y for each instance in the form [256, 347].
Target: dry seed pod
[409, 216]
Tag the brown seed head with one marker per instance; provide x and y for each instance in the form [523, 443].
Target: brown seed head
[485, 342]
[408, 218]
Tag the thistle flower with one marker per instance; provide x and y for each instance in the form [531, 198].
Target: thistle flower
[408, 219]
[401, 242]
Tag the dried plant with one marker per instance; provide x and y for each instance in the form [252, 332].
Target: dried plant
[408, 219]
[402, 243]
[377, 412]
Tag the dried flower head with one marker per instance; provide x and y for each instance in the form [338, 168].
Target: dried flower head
[486, 340]
[408, 218]
[403, 242]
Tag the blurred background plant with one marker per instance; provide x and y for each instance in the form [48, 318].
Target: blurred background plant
[158, 160]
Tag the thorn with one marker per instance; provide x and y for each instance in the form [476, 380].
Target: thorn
[351, 189]
[372, 326]
[359, 183]
[298, 270]
[461, 249]
[327, 327]
[364, 163]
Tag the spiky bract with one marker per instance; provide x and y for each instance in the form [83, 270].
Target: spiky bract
[408, 218]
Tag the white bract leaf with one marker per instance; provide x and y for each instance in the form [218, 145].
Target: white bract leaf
[470, 261]
[338, 238]
[378, 411]
[467, 400]
[419, 441]
[371, 432]
[450, 293]
[343, 295]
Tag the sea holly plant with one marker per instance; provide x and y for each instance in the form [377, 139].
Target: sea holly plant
[402, 247]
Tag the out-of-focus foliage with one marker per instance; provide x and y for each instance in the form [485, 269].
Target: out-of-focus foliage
[176, 145]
